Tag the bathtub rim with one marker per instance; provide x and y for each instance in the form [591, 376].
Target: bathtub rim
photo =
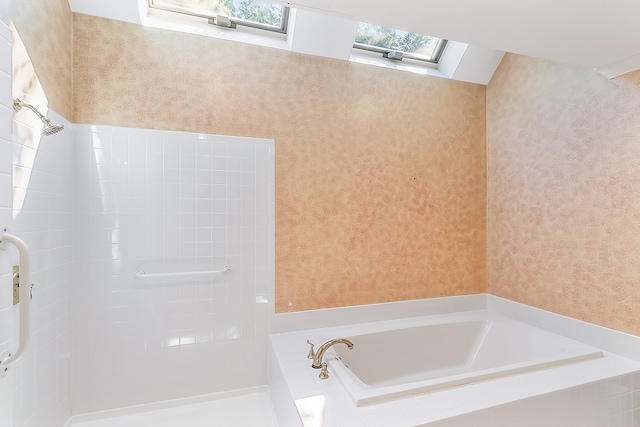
[610, 340]
[363, 394]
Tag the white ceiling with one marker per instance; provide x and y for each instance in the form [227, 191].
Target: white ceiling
[600, 34]
[592, 33]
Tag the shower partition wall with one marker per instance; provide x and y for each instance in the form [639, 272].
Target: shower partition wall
[168, 203]
[6, 300]
[41, 212]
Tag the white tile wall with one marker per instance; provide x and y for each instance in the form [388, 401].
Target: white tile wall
[6, 114]
[42, 204]
[170, 202]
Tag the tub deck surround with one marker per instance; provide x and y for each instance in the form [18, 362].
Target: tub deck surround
[296, 388]
[337, 409]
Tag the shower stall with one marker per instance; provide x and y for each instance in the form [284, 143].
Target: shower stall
[153, 264]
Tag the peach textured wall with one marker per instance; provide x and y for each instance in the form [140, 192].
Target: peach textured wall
[45, 28]
[563, 149]
[380, 174]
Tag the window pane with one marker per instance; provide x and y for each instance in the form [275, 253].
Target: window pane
[418, 45]
[246, 10]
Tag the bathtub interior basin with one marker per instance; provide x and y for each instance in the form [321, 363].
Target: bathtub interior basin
[397, 360]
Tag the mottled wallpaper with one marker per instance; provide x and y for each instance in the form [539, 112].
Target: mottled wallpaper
[563, 149]
[380, 174]
[45, 28]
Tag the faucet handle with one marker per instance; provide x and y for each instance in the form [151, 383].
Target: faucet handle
[312, 354]
[324, 373]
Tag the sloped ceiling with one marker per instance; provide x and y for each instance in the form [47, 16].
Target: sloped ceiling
[593, 33]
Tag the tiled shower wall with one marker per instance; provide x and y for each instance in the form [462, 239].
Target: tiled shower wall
[6, 114]
[170, 202]
[42, 217]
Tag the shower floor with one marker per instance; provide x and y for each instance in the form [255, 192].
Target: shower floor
[250, 410]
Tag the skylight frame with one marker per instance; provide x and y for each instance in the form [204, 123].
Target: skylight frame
[282, 29]
[387, 51]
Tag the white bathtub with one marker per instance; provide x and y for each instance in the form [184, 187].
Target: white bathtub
[397, 359]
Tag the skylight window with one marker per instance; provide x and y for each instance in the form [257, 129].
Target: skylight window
[397, 44]
[230, 13]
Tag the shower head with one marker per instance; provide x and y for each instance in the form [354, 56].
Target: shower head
[48, 128]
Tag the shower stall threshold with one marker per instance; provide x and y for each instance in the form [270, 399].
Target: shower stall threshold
[239, 408]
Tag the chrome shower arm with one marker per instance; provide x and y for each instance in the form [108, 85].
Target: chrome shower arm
[17, 106]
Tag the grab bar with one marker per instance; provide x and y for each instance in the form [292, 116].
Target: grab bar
[141, 274]
[25, 290]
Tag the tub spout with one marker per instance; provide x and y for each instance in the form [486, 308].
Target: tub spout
[317, 360]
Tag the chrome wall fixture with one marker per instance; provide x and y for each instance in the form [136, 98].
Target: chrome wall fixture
[25, 299]
[48, 128]
[141, 274]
